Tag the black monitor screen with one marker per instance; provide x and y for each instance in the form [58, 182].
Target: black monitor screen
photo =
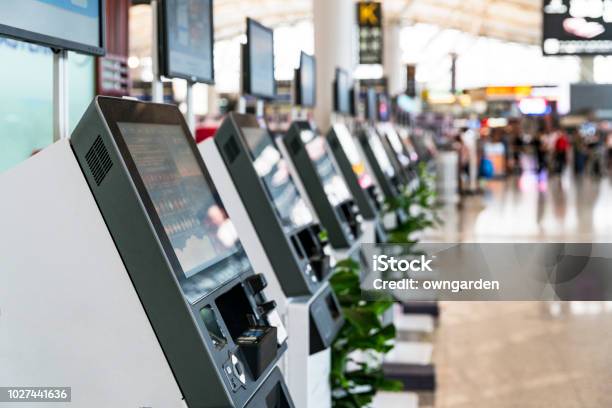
[192, 216]
[371, 105]
[274, 172]
[260, 62]
[308, 83]
[342, 92]
[335, 188]
[67, 24]
[188, 36]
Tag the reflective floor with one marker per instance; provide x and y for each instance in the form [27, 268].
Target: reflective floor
[530, 208]
[527, 354]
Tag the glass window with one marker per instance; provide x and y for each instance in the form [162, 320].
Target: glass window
[26, 106]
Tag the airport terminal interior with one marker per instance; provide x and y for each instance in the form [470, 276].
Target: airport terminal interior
[197, 195]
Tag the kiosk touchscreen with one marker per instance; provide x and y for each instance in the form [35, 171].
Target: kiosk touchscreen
[221, 336]
[400, 151]
[280, 235]
[323, 184]
[358, 179]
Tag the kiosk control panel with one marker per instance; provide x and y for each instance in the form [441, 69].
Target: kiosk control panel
[323, 183]
[220, 334]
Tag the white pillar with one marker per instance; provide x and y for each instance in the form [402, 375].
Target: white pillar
[587, 69]
[213, 100]
[392, 57]
[334, 28]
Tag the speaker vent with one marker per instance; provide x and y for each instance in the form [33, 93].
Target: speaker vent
[98, 160]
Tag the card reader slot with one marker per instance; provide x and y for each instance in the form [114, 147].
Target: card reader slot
[310, 241]
[257, 340]
[236, 311]
[349, 213]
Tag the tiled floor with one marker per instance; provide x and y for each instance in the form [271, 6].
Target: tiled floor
[527, 354]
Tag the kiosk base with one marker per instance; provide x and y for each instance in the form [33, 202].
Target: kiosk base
[430, 308]
[415, 377]
[307, 374]
[67, 301]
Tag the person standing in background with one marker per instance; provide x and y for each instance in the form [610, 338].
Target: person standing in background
[539, 150]
[561, 149]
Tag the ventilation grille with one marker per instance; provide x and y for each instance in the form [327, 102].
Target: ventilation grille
[98, 160]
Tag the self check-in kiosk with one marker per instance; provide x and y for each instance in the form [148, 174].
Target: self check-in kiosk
[218, 331]
[322, 184]
[316, 173]
[281, 237]
[377, 156]
[349, 158]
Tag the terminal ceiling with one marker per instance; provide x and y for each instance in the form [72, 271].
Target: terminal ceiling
[508, 20]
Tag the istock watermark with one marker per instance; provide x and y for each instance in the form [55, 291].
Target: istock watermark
[384, 263]
[494, 271]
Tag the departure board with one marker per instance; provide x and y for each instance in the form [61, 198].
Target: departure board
[65, 24]
[188, 30]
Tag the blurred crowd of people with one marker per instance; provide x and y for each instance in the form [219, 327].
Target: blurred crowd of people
[544, 147]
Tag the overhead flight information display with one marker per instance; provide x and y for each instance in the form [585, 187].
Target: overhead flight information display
[195, 222]
[274, 172]
[577, 27]
[307, 80]
[188, 40]
[342, 92]
[65, 24]
[260, 64]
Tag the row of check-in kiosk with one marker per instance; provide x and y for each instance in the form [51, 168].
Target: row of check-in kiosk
[143, 270]
[212, 255]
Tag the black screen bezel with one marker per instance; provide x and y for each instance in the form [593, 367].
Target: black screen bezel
[300, 83]
[116, 110]
[247, 73]
[164, 47]
[57, 43]
[338, 90]
[371, 105]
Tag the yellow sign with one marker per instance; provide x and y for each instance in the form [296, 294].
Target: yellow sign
[508, 91]
[369, 14]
